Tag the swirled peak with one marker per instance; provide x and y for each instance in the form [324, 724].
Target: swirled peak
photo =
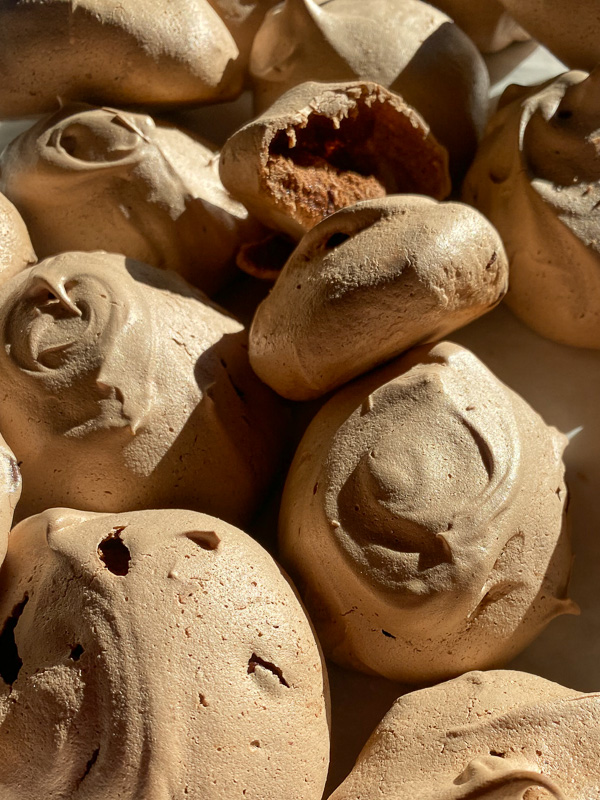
[537, 178]
[16, 250]
[498, 735]
[368, 283]
[176, 662]
[89, 178]
[146, 52]
[572, 37]
[405, 45]
[126, 389]
[424, 517]
[322, 147]
[486, 22]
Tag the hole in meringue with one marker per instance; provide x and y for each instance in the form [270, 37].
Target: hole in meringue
[10, 661]
[114, 553]
[258, 662]
[207, 540]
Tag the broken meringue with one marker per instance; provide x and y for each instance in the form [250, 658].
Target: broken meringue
[322, 147]
[370, 282]
[176, 662]
[125, 389]
[405, 45]
[424, 519]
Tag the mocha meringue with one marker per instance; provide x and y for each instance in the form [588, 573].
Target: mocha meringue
[10, 492]
[405, 45]
[154, 654]
[91, 178]
[498, 735]
[486, 22]
[146, 52]
[125, 389]
[16, 250]
[322, 147]
[424, 518]
[370, 282]
[537, 178]
[569, 30]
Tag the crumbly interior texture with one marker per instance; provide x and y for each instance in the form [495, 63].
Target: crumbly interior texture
[177, 662]
[497, 735]
[424, 488]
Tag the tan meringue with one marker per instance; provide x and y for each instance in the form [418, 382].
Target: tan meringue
[499, 735]
[322, 147]
[537, 178]
[125, 389]
[486, 22]
[176, 662]
[89, 178]
[16, 250]
[424, 519]
[568, 29]
[147, 52]
[10, 491]
[405, 45]
[370, 282]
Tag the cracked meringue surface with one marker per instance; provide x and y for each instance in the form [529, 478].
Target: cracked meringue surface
[423, 519]
[176, 662]
[126, 388]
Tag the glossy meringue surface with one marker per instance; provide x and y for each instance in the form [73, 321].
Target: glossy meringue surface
[368, 283]
[435, 496]
[499, 735]
[177, 662]
[126, 388]
[536, 178]
[89, 178]
[487, 23]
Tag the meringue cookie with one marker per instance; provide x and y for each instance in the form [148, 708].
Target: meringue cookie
[370, 282]
[91, 178]
[126, 389]
[486, 23]
[569, 30]
[176, 662]
[322, 147]
[537, 178]
[147, 52]
[16, 250]
[10, 491]
[242, 18]
[424, 517]
[404, 45]
[498, 735]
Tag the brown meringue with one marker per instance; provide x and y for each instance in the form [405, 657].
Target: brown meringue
[404, 45]
[141, 52]
[125, 389]
[569, 30]
[424, 517]
[322, 147]
[176, 662]
[370, 282]
[16, 250]
[486, 22]
[10, 491]
[91, 178]
[498, 735]
[537, 178]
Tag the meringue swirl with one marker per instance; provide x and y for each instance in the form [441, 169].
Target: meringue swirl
[416, 487]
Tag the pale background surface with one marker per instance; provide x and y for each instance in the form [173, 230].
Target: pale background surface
[561, 383]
